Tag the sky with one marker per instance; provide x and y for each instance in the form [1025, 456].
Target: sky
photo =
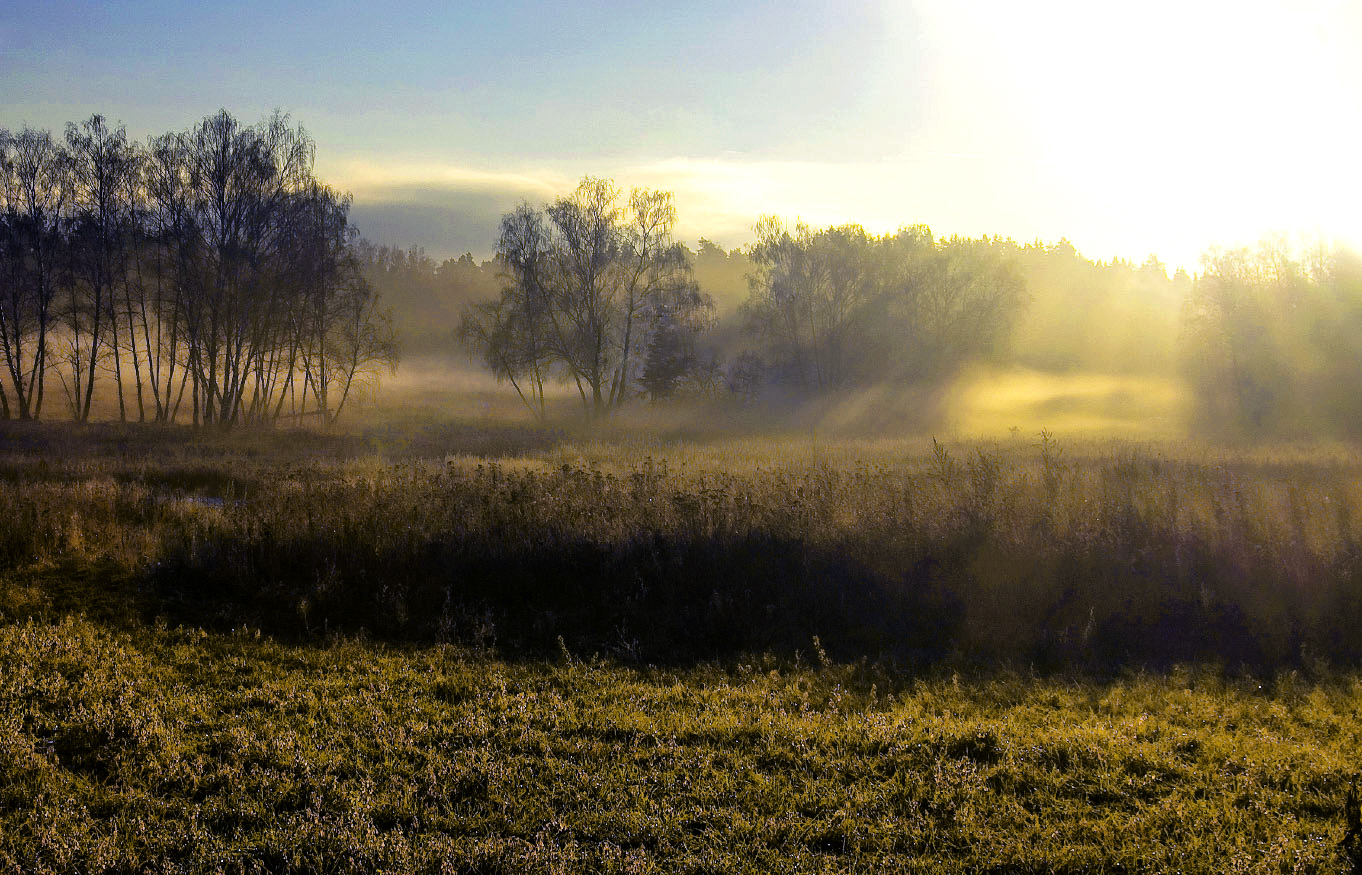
[1130, 129]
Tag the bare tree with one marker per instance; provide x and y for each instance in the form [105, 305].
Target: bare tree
[515, 335]
[102, 162]
[240, 181]
[587, 278]
[163, 272]
[341, 334]
[362, 340]
[210, 263]
[34, 191]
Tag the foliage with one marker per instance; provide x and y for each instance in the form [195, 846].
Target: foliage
[1271, 341]
[837, 308]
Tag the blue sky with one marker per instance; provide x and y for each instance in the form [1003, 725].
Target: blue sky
[1154, 127]
[523, 80]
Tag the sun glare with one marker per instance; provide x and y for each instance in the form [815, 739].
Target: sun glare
[1172, 125]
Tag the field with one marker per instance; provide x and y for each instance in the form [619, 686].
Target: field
[181, 750]
[480, 646]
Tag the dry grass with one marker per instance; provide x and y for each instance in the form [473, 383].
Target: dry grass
[502, 648]
[176, 750]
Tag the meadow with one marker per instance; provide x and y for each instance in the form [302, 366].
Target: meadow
[484, 646]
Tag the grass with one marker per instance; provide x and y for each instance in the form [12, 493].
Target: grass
[509, 649]
[1092, 555]
[179, 750]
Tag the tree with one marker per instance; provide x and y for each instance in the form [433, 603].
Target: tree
[949, 303]
[668, 360]
[34, 194]
[807, 296]
[587, 278]
[1243, 323]
[342, 333]
[836, 308]
[165, 269]
[102, 165]
[241, 181]
[210, 261]
[361, 339]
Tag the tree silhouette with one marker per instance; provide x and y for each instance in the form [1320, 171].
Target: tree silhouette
[586, 279]
[210, 262]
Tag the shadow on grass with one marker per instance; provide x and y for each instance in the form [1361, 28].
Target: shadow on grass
[658, 599]
[670, 600]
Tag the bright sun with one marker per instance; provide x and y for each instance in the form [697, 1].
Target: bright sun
[1181, 123]
[1131, 129]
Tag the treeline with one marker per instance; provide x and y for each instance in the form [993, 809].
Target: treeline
[206, 275]
[426, 297]
[599, 293]
[1273, 342]
[596, 292]
[837, 308]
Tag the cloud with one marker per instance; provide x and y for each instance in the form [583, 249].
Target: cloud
[1129, 130]
[458, 223]
[445, 209]
[451, 209]
[1116, 209]
[367, 178]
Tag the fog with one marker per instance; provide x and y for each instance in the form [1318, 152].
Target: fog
[589, 310]
[1255, 346]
